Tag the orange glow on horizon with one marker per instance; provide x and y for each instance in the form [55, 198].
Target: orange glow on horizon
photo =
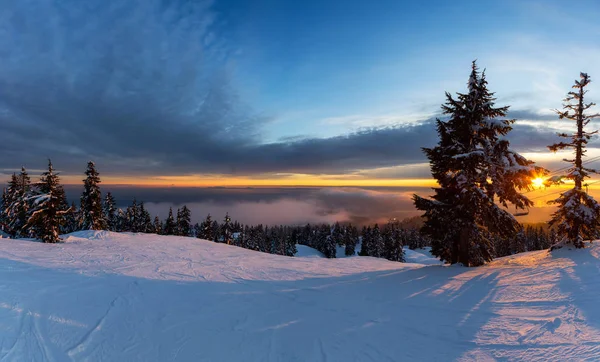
[287, 181]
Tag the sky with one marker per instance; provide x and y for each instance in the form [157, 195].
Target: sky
[235, 93]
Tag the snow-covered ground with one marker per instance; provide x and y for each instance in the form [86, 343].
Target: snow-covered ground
[124, 297]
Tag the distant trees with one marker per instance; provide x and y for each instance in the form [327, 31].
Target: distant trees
[578, 214]
[475, 170]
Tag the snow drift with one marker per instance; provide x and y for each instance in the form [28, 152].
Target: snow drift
[136, 297]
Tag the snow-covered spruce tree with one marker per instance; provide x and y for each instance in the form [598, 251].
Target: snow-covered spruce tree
[475, 170]
[578, 214]
[92, 217]
[18, 204]
[46, 214]
[170, 226]
[184, 220]
[110, 212]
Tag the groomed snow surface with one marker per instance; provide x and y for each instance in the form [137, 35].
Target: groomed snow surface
[104, 296]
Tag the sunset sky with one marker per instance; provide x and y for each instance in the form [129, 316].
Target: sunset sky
[275, 93]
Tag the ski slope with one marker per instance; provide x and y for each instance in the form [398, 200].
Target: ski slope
[134, 297]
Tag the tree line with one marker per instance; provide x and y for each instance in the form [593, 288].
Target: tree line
[40, 210]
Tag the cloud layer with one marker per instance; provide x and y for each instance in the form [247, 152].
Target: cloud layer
[147, 87]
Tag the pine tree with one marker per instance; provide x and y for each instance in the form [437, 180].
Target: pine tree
[92, 217]
[132, 216]
[337, 234]
[145, 220]
[290, 242]
[216, 232]
[183, 221]
[206, 229]
[350, 240]
[365, 246]
[71, 220]
[377, 244]
[110, 212]
[18, 204]
[475, 168]
[46, 217]
[226, 229]
[170, 226]
[122, 224]
[157, 226]
[578, 214]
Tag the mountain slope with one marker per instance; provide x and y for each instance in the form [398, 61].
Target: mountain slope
[127, 297]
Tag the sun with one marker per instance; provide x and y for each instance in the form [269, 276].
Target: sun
[538, 182]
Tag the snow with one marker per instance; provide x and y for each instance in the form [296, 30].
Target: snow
[420, 256]
[104, 296]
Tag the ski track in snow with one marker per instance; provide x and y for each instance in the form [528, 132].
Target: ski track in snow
[134, 297]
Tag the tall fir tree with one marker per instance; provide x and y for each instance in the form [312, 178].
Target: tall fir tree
[46, 215]
[350, 240]
[18, 204]
[145, 220]
[184, 220]
[475, 169]
[110, 212]
[92, 216]
[158, 226]
[206, 231]
[170, 226]
[578, 214]
[226, 230]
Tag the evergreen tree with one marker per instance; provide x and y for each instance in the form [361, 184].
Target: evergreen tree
[122, 224]
[578, 214]
[170, 225]
[184, 221]
[71, 220]
[206, 231]
[377, 245]
[290, 242]
[226, 229]
[157, 226]
[46, 217]
[92, 217]
[350, 240]
[145, 220]
[18, 204]
[216, 232]
[475, 168]
[132, 216]
[337, 234]
[110, 212]
[365, 246]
